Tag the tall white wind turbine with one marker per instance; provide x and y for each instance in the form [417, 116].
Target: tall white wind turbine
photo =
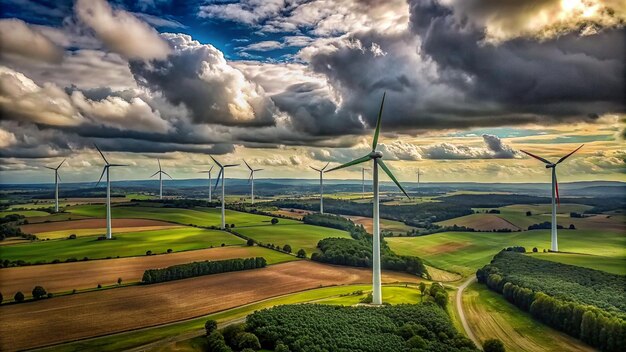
[377, 161]
[106, 168]
[251, 179]
[209, 172]
[223, 177]
[418, 180]
[321, 171]
[363, 169]
[57, 178]
[161, 173]
[555, 194]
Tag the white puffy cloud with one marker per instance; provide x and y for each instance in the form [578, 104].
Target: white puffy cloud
[6, 138]
[121, 31]
[25, 41]
[246, 11]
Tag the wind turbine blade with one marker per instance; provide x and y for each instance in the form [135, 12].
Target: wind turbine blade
[51, 168]
[353, 162]
[99, 151]
[60, 164]
[392, 177]
[117, 165]
[556, 188]
[318, 170]
[247, 165]
[380, 115]
[156, 173]
[231, 165]
[218, 164]
[219, 176]
[568, 155]
[324, 168]
[250, 177]
[101, 175]
[536, 157]
[257, 170]
[168, 175]
[59, 176]
[159, 161]
[211, 168]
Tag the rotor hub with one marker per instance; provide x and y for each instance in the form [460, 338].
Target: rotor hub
[376, 154]
[550, 166]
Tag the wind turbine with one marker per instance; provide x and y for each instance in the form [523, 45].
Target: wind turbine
[209, 172]
[555, 193]
[251, 179]
[106, 168]
[363, 181]
[161, 173]
[57, 178]
[223, 177]
[418, 180]
[321, 171]
[377, 161]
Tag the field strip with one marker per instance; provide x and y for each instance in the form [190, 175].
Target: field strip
[73, 225]
[81, 275]
[112, 311]
[459, 308]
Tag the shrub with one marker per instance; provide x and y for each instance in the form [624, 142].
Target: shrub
[148, 252]
[99, 286]
[183, 271]
[281, 347]
[19, 297]
[535, 250]
[223, 244]
[287, 248]
[416, 342]
[1, 298]
[169, 250]
[529, 213]
[216, 343]
[231, 332]
[250, 242]
[210, 326]
[493, 345]
[39, 292]
[232, 226]
[72, 237]
[119, 280]
[247, 340]
[274, 221]
[301, 253]
[572, 227]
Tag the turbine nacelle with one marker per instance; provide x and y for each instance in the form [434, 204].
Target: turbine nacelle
[376, 154]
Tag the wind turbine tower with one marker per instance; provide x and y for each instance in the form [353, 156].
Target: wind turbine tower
[321, 171]
[363, 169]
[161, 173]
[418, 180]
[209, 172]
[251, 179]
[555, 194]
[107, 167]
[57, 178]
[377, 161]
[223, 178]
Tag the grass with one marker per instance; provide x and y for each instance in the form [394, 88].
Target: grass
[125, 245]
[614, 265]
[465, 252]
[391, 295]
[62, 234]
[133, 339]
[491, 316]
[196, 216]
[296, 235]
[481, 222]
[26, 213]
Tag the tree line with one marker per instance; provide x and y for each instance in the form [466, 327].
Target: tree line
[585, 303]
[183, 271]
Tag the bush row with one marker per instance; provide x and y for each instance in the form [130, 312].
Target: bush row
[183, 271]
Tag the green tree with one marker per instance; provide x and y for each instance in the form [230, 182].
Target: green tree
[493, 345]
[250, 242]
[301, 253]
[210, 326]
[19, 297]
[422, 288]
[247, 340]
[287, 248]
[281, 347]
[416, 342]
[119, 280]
[274, 221]
[39, 292]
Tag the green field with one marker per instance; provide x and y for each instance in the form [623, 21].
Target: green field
[125, 245]
[196, 216]
[491, 316]
[26, 213]
[296, 235]
[465, 252]
[614, 265]
[133, 339]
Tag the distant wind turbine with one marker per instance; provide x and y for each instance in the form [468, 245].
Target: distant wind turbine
[418, 180]
[377, 161]
[555, 193]
[363, 181]
[251, 179]
[209, 172]
[161, 173]
[106, 168]
[321, 171]
[57, 178]
[223, 177]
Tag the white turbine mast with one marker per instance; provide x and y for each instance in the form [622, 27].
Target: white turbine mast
[554, 246]
[57, 178]
[321, 171]
[106, 168]
[377, 161]
[419, 173]
[161, 173]
[209, 172]
[251, 180]
[222, 176]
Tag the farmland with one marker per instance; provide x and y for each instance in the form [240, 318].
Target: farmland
[614, 265]
[87, 227]
[124, 245]
[142, 306]
[481, 222]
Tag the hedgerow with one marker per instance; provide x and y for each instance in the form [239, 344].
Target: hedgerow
[183, 271]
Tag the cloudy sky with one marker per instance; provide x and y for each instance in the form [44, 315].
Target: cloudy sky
[291, 83]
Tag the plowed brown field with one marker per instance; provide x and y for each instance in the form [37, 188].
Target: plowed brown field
[67, 318]
[81, 275]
